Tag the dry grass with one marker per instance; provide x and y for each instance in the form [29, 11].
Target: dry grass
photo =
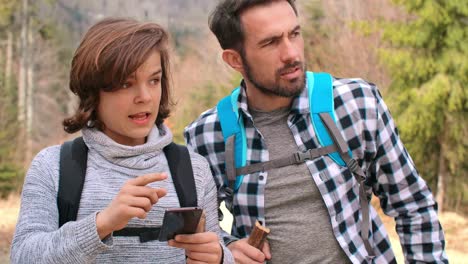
[455, 227]
[9, 210]
[456, 234]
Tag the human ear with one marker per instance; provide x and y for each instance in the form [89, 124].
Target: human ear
[233, 59]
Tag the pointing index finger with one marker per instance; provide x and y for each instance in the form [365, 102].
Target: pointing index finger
[148, 178]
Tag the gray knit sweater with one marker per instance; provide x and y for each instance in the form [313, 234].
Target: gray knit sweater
[37, 237]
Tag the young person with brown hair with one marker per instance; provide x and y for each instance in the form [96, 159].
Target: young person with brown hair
[120, 73]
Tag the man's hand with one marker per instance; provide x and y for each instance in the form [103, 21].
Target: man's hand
[135, 199]
[199, 247]
[245, 253]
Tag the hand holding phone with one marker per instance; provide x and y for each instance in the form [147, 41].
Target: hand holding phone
[180, 221]
[200, 247]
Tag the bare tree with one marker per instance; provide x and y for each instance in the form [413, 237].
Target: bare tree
[29, 94]
[9, 59]
[22, 77]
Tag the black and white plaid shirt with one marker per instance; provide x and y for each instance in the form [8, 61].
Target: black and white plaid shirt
[366, 124]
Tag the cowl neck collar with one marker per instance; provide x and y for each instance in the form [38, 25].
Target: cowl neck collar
[134, 157]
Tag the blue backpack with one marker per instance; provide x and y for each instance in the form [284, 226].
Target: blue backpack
[322, 115]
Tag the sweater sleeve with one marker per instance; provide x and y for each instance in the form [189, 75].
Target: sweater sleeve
[37, 238]
[207, 199]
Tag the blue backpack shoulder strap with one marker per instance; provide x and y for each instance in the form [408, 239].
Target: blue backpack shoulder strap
[322, 110]
[232, 125]
[321, 101]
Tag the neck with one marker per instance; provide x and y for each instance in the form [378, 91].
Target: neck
[265, 101]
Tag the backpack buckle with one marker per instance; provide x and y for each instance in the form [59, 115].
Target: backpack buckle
[229, 195]
[229, 191]
[352, 164]
[301, 157]
[354, 167]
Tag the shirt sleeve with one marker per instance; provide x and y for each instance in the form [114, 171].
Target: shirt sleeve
[211, 208]
[404, 194]
[37, 238]
[200, 138]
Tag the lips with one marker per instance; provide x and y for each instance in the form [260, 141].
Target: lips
[140, 116]
[289, 70]
[291, 73]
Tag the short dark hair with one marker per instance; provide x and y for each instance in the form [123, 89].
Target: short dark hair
[109, 52]
[225, 22]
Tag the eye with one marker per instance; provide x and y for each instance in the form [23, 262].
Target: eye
[296, 33]
[125, 85]
[155, 81]
[269, 42]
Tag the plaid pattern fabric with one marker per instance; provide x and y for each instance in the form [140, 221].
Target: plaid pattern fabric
[365, 122]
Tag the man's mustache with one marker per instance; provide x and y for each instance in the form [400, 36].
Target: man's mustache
[289, 66]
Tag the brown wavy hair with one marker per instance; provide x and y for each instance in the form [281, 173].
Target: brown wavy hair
[109, 52]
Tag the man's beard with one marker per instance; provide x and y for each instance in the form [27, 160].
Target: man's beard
[276, 88]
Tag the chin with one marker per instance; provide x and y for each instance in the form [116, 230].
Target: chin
[141, 133]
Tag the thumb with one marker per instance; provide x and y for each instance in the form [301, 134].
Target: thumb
[266, 249]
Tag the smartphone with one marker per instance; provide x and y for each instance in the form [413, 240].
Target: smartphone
[179, 221]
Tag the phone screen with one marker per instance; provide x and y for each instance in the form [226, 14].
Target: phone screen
[179, 221]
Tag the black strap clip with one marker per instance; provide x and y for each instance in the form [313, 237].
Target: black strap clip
[149, 236]
[230, 196]
[144, 233]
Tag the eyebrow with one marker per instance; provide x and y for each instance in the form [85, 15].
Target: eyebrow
[296, 28]
[156, 72]
[133, 76]
[268, 39]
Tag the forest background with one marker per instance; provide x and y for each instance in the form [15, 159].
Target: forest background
[416, 51]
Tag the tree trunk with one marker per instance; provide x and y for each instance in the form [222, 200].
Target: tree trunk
[441, 174]
[22, 83]
[22, 76]
[9, 59]
[29, 96]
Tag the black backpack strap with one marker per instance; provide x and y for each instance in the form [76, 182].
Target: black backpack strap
[145, 234]
[180, 166]
[73, 158]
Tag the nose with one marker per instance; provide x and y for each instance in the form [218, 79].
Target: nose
[143, 94]
[289, 51]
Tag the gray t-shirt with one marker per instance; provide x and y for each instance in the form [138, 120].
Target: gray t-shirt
[300, 226]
